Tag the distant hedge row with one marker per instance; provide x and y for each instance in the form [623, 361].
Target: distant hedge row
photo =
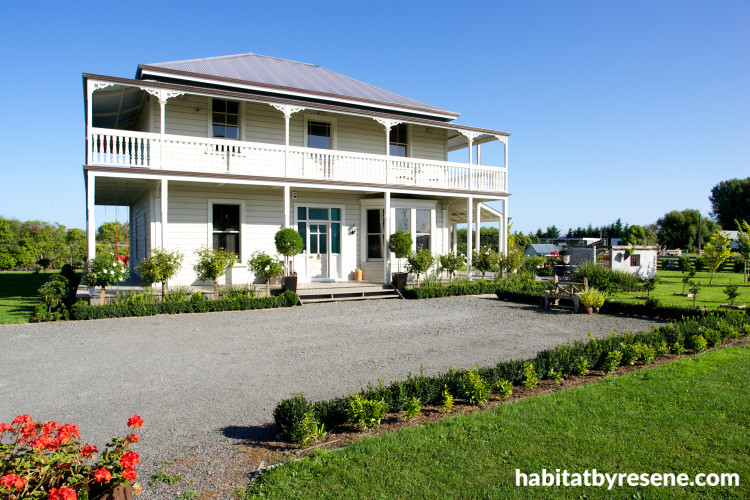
[82, 310]
[565, 359]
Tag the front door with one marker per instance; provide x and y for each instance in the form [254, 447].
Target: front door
[318, 250]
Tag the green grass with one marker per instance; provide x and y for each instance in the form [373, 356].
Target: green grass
[690, 416]
[712, 297]
[18, 295]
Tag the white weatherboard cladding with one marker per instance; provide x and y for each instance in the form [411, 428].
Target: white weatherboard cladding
[263, 123]
[182, 117]
[620, 262]
[428, 143]
[189, 224]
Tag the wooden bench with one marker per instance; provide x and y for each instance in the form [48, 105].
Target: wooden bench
[565, 290]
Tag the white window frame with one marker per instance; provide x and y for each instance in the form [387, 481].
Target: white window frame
[412, 205]
[240, 119]
[326, 119]
[408, 140]
[210, 225]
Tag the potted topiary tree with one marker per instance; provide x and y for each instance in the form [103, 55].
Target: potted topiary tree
[591, 299]
[266, 267]
[213, 264]
[400, 244]
[289, 243]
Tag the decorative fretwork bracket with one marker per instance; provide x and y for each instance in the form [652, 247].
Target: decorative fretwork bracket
[502, 138]
[469, 134]
[387, 122]
[287, 109]
[94, 86]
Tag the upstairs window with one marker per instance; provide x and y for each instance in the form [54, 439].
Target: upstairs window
[635, 260]
[225, 119]
[319, 135]
[226, 228]
[399, 142]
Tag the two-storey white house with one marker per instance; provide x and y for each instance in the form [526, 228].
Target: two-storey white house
[225, 151]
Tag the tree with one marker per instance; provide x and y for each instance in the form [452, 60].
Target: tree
[213, 264]
[400, 244]
[730, 200]
[716, 252]
[680, 229]
[639, 235]
[451, 262]
[288, 243]
[106, 270]
[75, 246]
[743, 245]
[487, 259]
[266, 267]
[111, 235]
[161, 266]
[419, 262]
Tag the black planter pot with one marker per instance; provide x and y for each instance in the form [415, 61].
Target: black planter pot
[398, 280]
[289, 283]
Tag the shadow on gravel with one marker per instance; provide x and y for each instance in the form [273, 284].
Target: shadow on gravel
[259, 436]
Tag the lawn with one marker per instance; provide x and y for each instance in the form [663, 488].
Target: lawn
[691, 416]
[670, 282]
[18, 295]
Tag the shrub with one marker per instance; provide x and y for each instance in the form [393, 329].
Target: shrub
[684, 264]
[592, 298]
[698, 343]
[555, 375]
[504, 388]
[475, 389]
[447, 400]
[400, 244]
[700, 263]
[366, 413]
[412, 407]
[605, 279]
[732, 292]
[581, 366]
[289, 413]
[265, 267]
[530, 378]
[419, 262]
[630, 353]
[288, 243]
[213, 264]
[53, 291]
[611, 361]
[662, 349]
[160, 267]
[177, 294]
[677, 348]
[308, 429]
[648, 354]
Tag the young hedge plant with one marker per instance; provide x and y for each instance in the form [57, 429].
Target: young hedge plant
[213, 264]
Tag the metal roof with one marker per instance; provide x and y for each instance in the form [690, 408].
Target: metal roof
[290, 75]
[540, 249]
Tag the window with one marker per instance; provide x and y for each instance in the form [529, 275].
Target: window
[226, 228]
[398, 140]
[225, 118]
[635, 261]
[316, 222]
[319, 135]
[423, 229]
[403, 220]
[375, 234]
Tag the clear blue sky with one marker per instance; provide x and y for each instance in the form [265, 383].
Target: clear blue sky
[617, 108]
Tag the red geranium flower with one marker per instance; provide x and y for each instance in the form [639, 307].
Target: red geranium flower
[133, 437]
[130, 474]
[5, 427]
[135, 421]
[12, 480]
[50, 427]
[129, 459]
[101, 475]
[64, 493]
[22, 419]
[88, 450]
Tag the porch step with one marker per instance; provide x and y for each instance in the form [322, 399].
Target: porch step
[334, 294]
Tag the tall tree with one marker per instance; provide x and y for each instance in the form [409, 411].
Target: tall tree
[730, 200]
[110, 233]
[743, 245]
[716, 252]
[680, 229]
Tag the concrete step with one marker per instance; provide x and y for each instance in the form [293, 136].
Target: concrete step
[332, 294]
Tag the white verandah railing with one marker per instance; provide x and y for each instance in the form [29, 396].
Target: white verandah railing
[122, 148]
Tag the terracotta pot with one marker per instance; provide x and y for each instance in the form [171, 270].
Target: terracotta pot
[586, 310]
[124, 492]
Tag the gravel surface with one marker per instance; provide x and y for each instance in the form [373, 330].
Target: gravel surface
[202, 382]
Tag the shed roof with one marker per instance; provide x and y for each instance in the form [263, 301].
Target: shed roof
[541, 248]
[287, 76]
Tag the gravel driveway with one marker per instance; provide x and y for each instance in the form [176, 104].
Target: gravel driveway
[192, 376]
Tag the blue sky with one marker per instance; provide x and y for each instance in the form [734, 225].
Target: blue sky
[617, 108]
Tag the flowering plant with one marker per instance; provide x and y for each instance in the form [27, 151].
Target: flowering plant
[266, 267]
[106, 270]
[48, 460]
